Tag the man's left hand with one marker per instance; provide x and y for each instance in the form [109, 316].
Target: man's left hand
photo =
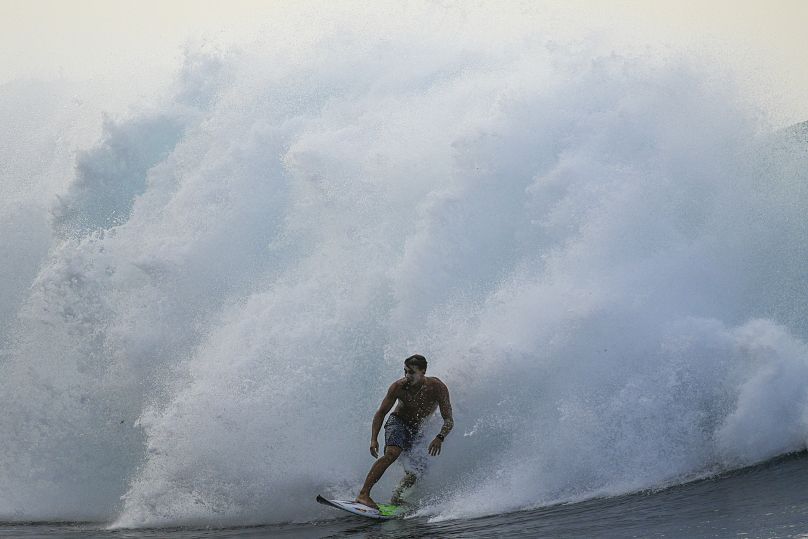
[434, 447]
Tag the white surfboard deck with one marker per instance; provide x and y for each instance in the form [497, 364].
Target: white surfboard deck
[387, 511]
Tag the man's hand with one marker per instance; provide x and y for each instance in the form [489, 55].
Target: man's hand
[374, 448]
[434, 447]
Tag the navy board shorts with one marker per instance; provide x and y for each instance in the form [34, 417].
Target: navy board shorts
[409, 438]
[399, 433]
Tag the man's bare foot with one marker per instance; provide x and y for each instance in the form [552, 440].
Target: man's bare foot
[364, 499]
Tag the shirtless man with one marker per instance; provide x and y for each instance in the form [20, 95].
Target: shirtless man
[417, 397]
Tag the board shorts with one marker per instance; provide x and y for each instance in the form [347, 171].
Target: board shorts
[410, 439]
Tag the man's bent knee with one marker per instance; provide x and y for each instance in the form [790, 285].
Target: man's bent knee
[391, 453]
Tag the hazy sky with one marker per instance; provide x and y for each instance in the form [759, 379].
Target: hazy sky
[114, 40]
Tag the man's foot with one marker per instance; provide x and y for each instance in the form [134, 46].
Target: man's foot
[364, 499]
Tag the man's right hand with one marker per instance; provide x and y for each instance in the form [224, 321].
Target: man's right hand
[374, 448]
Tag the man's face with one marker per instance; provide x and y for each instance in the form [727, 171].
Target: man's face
[414, 375]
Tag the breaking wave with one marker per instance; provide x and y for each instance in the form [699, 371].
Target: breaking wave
[603, 256]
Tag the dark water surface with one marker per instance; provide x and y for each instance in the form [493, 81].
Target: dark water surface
[769, 500]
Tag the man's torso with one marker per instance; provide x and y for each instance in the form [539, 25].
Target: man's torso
[414, 405]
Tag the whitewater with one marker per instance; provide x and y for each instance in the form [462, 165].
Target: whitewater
[204, 298]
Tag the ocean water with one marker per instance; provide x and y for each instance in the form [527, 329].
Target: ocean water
[767, 500]
[203, 297]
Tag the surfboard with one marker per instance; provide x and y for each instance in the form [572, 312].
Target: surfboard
[384, 512]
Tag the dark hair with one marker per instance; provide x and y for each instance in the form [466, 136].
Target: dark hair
[416, 361]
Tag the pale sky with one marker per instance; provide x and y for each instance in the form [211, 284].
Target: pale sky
[104, 40]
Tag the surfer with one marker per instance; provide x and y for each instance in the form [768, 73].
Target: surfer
[418, 396]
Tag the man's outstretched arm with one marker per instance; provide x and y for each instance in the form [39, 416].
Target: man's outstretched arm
[387, 403]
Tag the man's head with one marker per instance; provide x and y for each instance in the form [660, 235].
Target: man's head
[415, 369]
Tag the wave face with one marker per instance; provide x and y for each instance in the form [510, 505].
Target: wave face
[603, 256]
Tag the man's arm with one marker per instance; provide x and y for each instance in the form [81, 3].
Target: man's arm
[387, 403]
[446, 413]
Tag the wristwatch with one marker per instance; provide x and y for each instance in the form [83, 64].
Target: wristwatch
[440, 437]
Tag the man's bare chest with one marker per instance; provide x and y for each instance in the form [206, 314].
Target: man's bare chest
[419, 398]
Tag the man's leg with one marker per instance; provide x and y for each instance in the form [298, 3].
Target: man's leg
[405, 484]
[391, 453]
[416, 462]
